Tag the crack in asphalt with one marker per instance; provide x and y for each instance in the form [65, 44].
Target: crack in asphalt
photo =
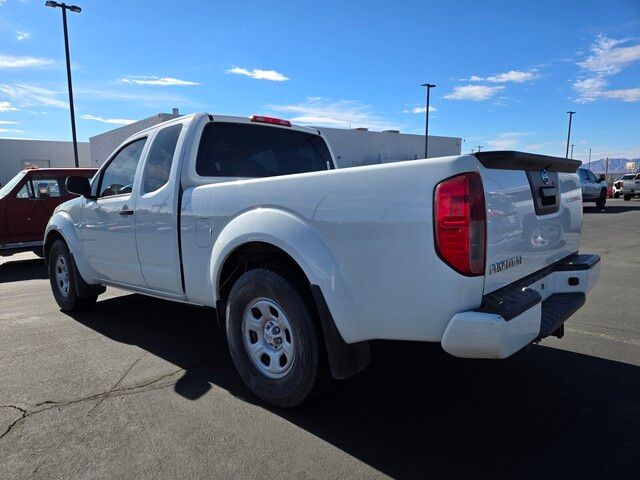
[112, 392]
[116, 384]
[23, 413]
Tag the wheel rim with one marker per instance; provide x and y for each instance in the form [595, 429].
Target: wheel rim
[62, 276]
[268, 338]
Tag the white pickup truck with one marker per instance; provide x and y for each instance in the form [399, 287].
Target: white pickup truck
[305, 262]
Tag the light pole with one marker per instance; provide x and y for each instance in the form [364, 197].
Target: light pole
[480, 147]
[426, 126]
[572, 145]
[75, 9]
[571, 114]
[589, 159]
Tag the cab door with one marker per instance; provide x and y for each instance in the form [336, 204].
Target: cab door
[29, 210]
[587, 184]
[108, 225]
[156, 215]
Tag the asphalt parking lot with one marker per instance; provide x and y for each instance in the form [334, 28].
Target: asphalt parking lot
[142, 388]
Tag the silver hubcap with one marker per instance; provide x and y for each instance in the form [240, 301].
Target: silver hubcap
[62, 276]
[268, 338]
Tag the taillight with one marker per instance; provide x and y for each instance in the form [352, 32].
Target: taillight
[271, 120]
[460, 226]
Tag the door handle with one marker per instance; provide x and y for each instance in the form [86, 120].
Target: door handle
[125, 211]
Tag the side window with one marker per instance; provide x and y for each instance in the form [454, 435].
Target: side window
[583, 175]
[592, 176]
[47, 188]
[158, 166]
[26, 191]
[117, 177]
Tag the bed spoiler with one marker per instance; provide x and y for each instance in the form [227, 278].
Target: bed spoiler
[511, 160]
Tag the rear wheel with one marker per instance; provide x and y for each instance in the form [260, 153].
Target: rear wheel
[616, 195]
[602, 201]
[274, 339]
[63, 279]
[627, 198]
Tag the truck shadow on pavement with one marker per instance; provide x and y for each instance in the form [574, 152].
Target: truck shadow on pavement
[417, 412]
[21, 270]
[609, 209]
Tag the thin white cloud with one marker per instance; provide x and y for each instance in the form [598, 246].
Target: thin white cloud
[30, 96]
[506, 141]
[146, 97]
[475, 93]
[9, 61]
[420, 109]
[22, 35]
[607, 58]
[337, 114]
[158, 81]
[624, 94]
[7, 107]
[8, 122]
[112, 121]
[259, 74]
[10, 130]
[512, 76]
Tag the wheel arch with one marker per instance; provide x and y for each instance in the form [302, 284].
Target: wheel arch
[280, 240]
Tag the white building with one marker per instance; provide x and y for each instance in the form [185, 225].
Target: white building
[15, 155]
[352, 147]
[104, 144]
[362, 147]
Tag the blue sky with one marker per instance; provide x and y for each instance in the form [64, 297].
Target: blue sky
[506, 72]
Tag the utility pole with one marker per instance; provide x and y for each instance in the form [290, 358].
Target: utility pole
[480, 147]
[571, 114]
[572, 145]
[429, 86]
[76, 9]
[589, 159]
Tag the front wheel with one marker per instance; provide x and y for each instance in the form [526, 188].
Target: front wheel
[63, 280]
[274, 338]
[616, 195]
[601, 202]
[627, 198]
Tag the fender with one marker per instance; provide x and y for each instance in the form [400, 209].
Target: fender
[62, 223]
[301, 241]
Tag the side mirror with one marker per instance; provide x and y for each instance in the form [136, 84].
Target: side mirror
[78, 186]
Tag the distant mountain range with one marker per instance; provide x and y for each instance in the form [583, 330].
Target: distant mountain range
[616, 165]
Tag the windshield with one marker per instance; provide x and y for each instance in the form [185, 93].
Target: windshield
[12, 183]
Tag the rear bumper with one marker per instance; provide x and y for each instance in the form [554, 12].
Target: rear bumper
[530, 309]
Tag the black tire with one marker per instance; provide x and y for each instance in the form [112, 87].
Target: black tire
[627, 198]
[616, 195]
[602, 201]
[309, 369]
[65, 293]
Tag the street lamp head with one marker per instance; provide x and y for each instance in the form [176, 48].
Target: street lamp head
[571, 113]
[428, 85]
[73, 8]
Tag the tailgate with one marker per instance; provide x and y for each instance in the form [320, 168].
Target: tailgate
[534, 213]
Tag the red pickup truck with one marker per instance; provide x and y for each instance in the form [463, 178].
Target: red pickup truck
[27, 202]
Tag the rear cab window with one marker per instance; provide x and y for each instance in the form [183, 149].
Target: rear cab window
[254, 151]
